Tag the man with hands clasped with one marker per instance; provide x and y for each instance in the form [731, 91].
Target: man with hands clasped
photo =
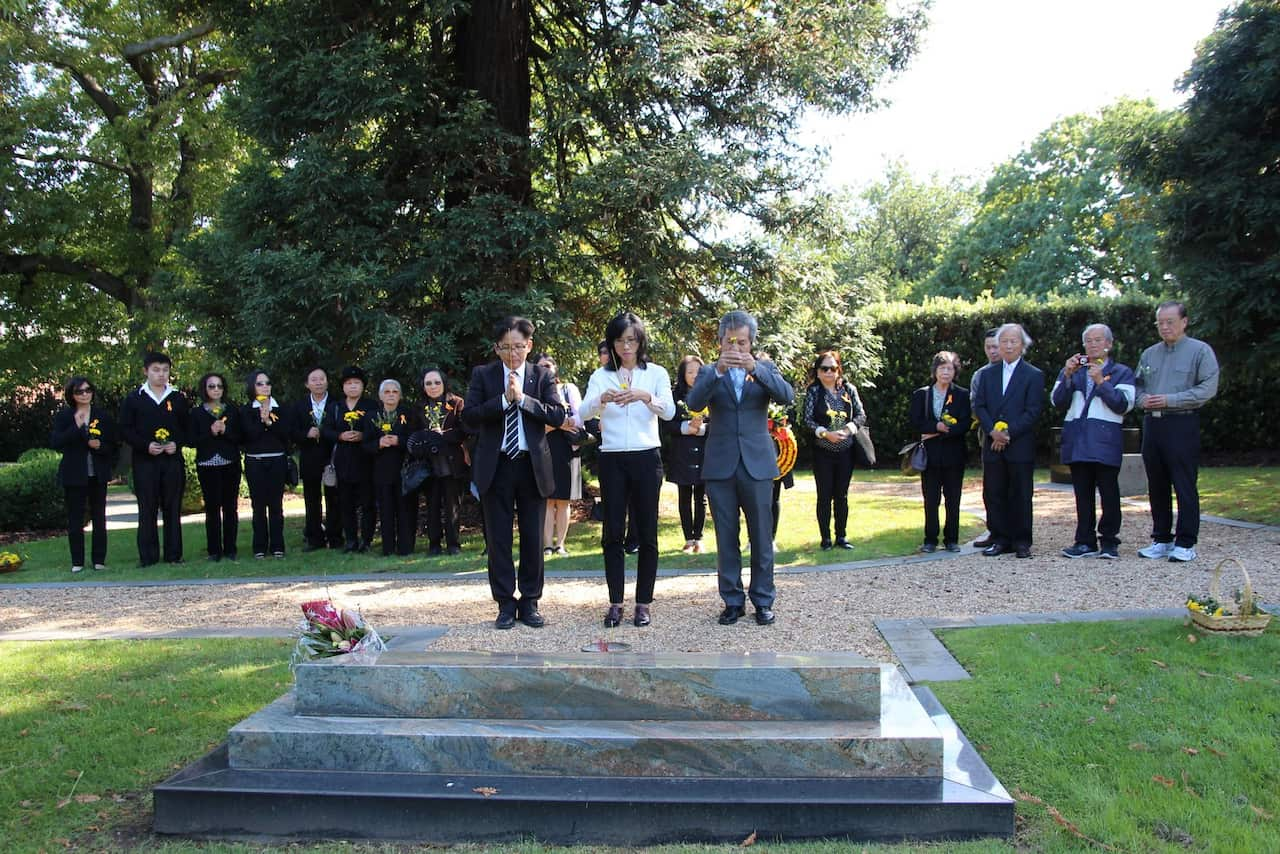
[741, 462]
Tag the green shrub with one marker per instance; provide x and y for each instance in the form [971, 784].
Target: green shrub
[38, 454]
[30, 498]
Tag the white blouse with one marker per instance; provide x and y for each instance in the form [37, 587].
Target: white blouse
[633, 427]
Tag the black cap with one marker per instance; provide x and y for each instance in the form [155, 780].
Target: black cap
[352, 372]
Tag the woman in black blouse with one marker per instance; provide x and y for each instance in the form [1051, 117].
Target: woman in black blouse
[387, 434]
[438, 443]
[344, 426]
[215, 433]
[688, 432]
[264, 431]
[833, 411]
[87, 437]
[940, 413]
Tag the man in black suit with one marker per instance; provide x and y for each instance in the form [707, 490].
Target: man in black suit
[509, 404]
[1007, 398]
[323, 525]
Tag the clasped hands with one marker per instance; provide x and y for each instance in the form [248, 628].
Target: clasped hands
[735, 359]
[624, 396]
[158, 448]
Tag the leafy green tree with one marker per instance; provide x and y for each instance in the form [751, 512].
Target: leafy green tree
[423, 167]
[901, 228]
[1219, 162]
[1061, 218]
[111, 152]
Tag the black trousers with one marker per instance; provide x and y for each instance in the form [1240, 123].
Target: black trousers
[1006, 490]
[938, 484]
[220, 486]
[266, 492]
[693, 509]
[1171, 453]
[93, 494]
[324, 522]
[355, 498]
[629, 485]
[158, 483]
[513, 498]
[399, 516]
[832, 471]
[1086, 478]
[442, 494]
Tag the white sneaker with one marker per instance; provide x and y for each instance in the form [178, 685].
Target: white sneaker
[1156, 551]
[1181, 555]
[77, 569]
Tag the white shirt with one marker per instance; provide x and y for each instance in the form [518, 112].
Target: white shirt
[1007, 373]
[318, 407]
[633, 427]
[168, 390]
[507, 404]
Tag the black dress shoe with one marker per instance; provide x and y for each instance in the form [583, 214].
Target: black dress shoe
[350, 548]
[842, 543]
[530, 617]
[952, 547]
[764, 616]
[731, 614]
[995, 550]
[641, 617]
[982, 543]
[434, 551]
[453, 550]
[928, 548]
[505, 620]
[613, 617]
[825, 545]
[1024, 551]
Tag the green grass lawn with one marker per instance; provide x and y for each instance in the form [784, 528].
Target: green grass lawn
[1250, 494]
[880, 526]
[1131, 735]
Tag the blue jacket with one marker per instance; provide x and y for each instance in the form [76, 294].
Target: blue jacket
[1091, 431]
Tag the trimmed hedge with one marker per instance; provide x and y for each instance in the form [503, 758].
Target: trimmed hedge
[30, 498]
[1237, 420]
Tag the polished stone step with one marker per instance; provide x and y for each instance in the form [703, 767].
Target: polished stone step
[594, 686]
[275, 738]
[212, 799]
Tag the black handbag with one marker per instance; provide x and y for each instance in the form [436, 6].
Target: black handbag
[291, 476]
[914, 457]
[413, 473]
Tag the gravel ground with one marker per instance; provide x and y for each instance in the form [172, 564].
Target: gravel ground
[831, 610]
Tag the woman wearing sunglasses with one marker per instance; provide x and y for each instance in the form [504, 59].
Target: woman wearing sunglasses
[215, 432]
[87, 437]
[833, 411]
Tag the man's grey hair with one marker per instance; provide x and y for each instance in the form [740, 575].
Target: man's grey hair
[386, 384]
[1026, 339]
[1106, 330]
[737, 319]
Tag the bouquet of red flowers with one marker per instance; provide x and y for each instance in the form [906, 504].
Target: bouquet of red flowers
[327, 630]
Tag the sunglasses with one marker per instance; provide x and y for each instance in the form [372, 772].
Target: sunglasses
[827, 368]
[213, 385]
[84, 390]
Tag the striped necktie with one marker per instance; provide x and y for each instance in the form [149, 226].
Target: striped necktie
[511, 429]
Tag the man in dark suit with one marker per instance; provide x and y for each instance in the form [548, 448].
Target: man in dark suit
[323, 525]
[509, 404]
[1007, 398]
[740, 462]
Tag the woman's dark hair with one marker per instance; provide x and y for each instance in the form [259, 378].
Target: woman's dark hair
[538, 357]
[69, 390]
[615, 330]
[835, 356]
[682, 387]
[444, 382]
[942, 357]
[204, 381]
[250, 390]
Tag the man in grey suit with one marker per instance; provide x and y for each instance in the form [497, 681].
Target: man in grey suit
[741, 462]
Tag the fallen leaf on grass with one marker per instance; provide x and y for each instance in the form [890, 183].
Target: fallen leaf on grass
[1159, 664]
[1137, 745]
[24, 733]
[1186, 785]
[1089, 720]
[1261, 813]
[1192, 638]
[1060, 819]
[26, 804]
[750, 840]
[1190, 751]
[87, 799]
[1057, 680]
[1217, 753]
[1164, 781]
[1243, 677]
[1204, 674]
[485, 790]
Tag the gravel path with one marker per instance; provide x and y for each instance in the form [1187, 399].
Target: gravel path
[831, 610]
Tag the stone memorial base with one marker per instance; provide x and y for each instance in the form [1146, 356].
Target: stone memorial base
[601, 748]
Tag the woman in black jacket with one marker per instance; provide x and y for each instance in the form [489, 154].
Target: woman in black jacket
[438, 444]
[265, 438]
[88, 439]
[386, 439]
[215, 433]
[688, 431]
[833, 411]
[344, 425]
[940, 413]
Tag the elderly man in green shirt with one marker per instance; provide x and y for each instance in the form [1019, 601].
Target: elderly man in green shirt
[1174, 379]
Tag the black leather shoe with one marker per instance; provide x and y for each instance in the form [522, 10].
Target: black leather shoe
[825, 545]
[952, 547]
[434, 551]
[928, 548]
[453, 550]
[731, 614]
[505, 620]
[613, 617]
[530, 617]
[982, 543]
[764, 616]
[1024, 551]
[641, 616]
[995, 550]
[844, 544]
[350, 548]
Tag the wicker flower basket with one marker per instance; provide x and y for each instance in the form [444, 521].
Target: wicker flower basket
[1250, 625]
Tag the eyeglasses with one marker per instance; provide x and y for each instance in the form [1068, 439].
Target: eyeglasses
[512, 348]
[84, 390]
[261, 382]
[629, 341]
[213, 385]
[828, 368]
[432, 382]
